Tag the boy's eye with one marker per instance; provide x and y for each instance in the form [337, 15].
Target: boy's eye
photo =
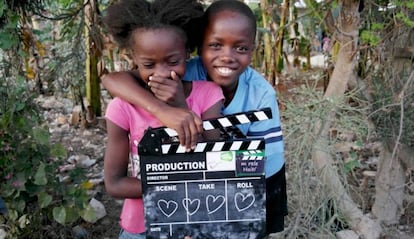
[242, 49]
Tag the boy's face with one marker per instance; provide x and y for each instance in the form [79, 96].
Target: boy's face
[158, 52]
[227, 48]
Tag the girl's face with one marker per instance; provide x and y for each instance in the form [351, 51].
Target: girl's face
[158, 52]
[227, 48]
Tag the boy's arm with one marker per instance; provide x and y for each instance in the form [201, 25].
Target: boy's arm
[213, 112]
[184, 121]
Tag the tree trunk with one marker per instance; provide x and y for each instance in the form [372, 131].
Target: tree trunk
[281, 34]
[389, 187]
[268, 43]
[93, 91]
[347, 36]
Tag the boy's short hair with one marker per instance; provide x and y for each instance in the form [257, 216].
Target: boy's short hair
[233, 6]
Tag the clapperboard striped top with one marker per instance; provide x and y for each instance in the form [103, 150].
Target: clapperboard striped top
[247, 144]
[231, 120]
[223, 122]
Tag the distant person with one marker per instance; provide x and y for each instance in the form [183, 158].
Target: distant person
[226, 50]
[154, 34]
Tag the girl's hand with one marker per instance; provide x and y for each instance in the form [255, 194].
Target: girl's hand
[188, 125]
[169, 90]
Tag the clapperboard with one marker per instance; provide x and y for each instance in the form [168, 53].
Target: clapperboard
[215, 191]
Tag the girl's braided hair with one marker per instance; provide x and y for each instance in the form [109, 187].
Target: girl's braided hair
[125, 16]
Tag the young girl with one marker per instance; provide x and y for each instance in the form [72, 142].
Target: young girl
[226, 49]
[153, 32]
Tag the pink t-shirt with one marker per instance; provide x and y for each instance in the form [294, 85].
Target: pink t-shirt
[136, 120]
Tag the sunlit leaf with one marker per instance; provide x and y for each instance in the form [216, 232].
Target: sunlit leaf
[71, 215]
[88, 214]
[59, 214]
[23, 221]
[40, 176]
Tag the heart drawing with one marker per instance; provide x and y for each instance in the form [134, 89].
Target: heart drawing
[191, 206]
[243, 202]
[214, 203]
[168, 208]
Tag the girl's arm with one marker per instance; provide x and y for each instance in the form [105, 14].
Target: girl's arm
[184, 121]
[117, 182]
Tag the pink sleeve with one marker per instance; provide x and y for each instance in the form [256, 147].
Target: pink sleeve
[116, 113]
[209, 94]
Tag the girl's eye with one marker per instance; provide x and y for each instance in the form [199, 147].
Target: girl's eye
[148, 65]
[214, 45]
[173, 62]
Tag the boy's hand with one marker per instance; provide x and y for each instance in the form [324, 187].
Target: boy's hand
[187, 124]
[168, 90]
[176, 115]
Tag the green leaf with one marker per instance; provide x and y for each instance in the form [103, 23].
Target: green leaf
[377, 26]
[351, 165]
[370, 38]
[20, 205]
[1, 8]
[58, 151]
[20, 106]
[359, 143]
[9, 192]
[405, 19]
[71, 214]
[7, 41]
[41, 136]
[23, 221]
[13, 215]
[88, 214]
[59, 214]
[40, 176]
[44, 199]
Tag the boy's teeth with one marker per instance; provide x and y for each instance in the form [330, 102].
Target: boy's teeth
[224, 70]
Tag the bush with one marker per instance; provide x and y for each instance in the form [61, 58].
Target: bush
[29, 179]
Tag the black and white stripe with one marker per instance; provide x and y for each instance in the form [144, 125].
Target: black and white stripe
[245, 144]
[230, 120]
